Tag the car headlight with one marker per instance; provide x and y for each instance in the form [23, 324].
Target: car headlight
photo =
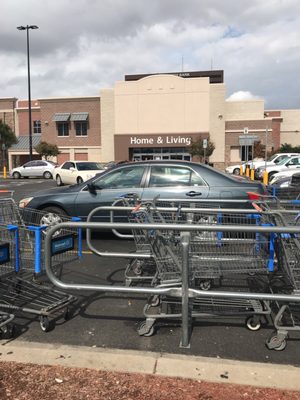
[24, 202]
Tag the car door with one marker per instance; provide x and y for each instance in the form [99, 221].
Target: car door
[174, 182]
[105, 189]
[66, 172]
[40, 168]
[293, 163]
[28, 169]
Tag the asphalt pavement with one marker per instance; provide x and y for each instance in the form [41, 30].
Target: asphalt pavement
[110, 321]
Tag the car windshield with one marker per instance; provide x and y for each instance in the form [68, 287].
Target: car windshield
[89, 166]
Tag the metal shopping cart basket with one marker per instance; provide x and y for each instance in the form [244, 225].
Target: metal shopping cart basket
[19, 293]
[33, 225]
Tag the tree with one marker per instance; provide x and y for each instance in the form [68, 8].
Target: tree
[196, 149]
[7, 136]
[47, 150]
[288, 148]
[7, 139]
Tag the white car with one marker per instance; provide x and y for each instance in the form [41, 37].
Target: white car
[72, 172]
[34, 169]
[284, 174]
[256, 163]
[284, 165]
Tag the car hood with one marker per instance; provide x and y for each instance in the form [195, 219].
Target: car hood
[58, 190]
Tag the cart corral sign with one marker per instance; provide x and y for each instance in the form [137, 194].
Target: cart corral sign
[247, 140]
[4, 253]
[61, 244]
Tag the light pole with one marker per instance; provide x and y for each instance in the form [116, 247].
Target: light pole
[26, 28]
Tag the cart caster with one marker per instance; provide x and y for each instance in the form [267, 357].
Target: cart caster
[154, 301]
[205, 285]
[45, 324]
[137, 268]
[128, 282]
[276, 342]
[7, 331]
[145, 329]
[67, 314]
[253, 324]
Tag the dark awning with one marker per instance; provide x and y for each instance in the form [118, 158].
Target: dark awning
[61, 117]
[79, 116]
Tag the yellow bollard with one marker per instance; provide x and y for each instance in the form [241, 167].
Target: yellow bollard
[252, 174]
[247, 172]
[4, 172]
[241, 170]
[265, 178]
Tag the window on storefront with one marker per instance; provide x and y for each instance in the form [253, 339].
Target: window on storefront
[63, 129]
[159, 153]
[81, 128]
[246, 153]
[37, 128]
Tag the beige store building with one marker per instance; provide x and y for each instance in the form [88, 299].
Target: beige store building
[157, 116]
[153, 116]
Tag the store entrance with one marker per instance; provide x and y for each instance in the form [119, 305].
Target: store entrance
[160, 153]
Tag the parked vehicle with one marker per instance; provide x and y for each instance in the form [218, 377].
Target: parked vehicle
[112, 164]
[72, 172]
[146, 179]
[256, 163]
[287, 175]
[284, 165]
[36, 168]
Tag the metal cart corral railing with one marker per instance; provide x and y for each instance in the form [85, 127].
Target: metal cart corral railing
[184, 291]
[238, 244]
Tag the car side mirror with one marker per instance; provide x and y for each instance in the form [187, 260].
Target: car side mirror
[72, 169]
[91, 188]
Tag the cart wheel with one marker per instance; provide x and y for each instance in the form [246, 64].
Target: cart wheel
[155, 301]
[275, 343]
[253, 324]
[205, 285]
[7, 331]
[145, 330]
[67, 314]
[137, 268]
[45, 324]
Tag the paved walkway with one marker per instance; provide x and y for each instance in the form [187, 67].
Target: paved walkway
[199, 368]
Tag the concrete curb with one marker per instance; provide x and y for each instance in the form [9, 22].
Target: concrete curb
[172, 365]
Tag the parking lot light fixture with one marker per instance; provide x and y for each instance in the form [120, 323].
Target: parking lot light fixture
[26, 28]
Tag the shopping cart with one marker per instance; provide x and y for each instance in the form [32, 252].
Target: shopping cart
[6, 262]
[213, 254]
[19, 292]
[32, 227]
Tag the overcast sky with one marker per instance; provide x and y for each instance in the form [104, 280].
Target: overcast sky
[82, 46]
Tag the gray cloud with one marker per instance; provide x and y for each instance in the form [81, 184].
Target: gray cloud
[85, 45]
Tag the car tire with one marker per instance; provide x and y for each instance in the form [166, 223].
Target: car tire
[236, 171]
[52, 216]
[79, 180]
[271, 174]
[47, 175]
[58, 181]
[16, 175]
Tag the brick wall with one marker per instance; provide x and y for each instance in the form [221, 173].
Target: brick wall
[71, 105]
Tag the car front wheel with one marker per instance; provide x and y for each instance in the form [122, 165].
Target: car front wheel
[16, 175]
[79, 180]
[58, 181]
